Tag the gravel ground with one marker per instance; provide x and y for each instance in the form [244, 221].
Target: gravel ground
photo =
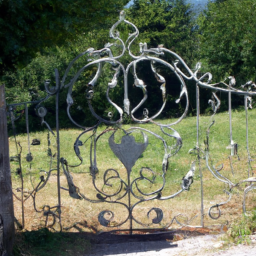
[210, 245]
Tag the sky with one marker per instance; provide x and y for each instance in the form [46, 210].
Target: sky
[195, 2]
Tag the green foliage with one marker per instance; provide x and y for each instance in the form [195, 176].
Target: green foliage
[166, 22]
[226, 44]
[228, 39]
[242, 228]
[28, 26]
[27, 84]
[169, 23]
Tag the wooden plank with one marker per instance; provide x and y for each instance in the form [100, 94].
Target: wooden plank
[6, 200]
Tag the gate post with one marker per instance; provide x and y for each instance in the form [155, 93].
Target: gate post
[6, 200]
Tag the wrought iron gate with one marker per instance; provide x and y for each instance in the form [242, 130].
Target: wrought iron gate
[124, 186]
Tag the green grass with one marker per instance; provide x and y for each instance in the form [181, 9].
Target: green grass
[241, 229]
[187, 203]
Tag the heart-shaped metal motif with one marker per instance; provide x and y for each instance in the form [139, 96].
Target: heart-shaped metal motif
[128, 151]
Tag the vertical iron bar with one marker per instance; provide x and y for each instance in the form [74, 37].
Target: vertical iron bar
[230, 132]
[21, 174]
[126, 99]
[13, 127]
[27, 127]
[197, 114]
[22, 194]
[58, 143]
[20, 167]
[125, 86]
[127, 110]
[230, 123]
[129, 200]
[247, 136]
[19, 156]
[198, 154]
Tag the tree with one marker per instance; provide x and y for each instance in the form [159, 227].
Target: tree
[28, 26]
[228, 39]
[27, 84]
[170, 23]
[163, 22]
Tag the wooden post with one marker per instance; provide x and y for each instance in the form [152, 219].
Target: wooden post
[6, 200]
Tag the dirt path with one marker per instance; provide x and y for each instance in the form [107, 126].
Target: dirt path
[210, 245]
[240, 250]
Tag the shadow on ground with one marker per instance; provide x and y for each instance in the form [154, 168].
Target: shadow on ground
[45, 243]
[113, 244]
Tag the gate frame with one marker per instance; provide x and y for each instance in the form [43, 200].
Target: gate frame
[145, 55]
[6, 200]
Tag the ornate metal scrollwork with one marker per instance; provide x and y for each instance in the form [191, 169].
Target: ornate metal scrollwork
[129, 149]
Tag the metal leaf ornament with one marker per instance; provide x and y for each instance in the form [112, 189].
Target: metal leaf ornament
[128, 151]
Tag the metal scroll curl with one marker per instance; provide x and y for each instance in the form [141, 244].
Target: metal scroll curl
[23, 194]
[161, 80]
[215, 215]
[215, 103]
[103, 221]
[90, 91]
[128, 150]
[106, 218]
[128, 192]
[159, 215]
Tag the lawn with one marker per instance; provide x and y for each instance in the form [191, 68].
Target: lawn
[82, 215]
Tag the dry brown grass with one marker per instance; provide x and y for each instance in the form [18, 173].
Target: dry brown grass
[187, 204]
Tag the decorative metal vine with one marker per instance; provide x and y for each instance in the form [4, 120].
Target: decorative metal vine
[128, 151]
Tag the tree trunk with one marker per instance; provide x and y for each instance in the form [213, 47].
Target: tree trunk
[6, 200]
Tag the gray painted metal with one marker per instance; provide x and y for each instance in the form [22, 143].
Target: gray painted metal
[128, 151]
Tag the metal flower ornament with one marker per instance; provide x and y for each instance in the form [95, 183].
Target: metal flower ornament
[128, 151]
